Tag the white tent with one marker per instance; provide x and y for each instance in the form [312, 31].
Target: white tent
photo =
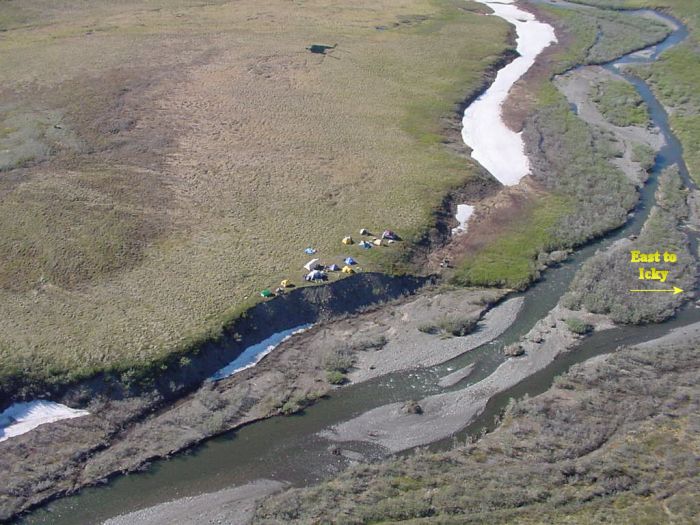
[315, 275]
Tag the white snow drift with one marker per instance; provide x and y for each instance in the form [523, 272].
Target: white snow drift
[252, 355]
[23, 417]
[495, 146]
[464, 211]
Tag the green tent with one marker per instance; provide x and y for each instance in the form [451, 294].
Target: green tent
[266, 293]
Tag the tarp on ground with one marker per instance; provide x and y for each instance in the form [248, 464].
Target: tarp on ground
[311, 265]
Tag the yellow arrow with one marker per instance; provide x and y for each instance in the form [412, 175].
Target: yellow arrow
[675, 290]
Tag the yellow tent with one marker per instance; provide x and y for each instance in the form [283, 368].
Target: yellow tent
[285, 283]
[377, 242]
[347, 269]
[347, 240]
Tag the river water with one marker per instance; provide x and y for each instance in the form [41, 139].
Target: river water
[288, 449]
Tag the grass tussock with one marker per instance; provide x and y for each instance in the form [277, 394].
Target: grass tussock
[450, 326]
[577, 326]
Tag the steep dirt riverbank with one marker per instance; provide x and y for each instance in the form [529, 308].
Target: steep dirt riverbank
[133, 422]
[124, 434]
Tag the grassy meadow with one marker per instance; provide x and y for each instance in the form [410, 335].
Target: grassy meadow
[163, 161]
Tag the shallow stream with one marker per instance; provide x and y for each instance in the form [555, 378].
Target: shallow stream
[288, 449]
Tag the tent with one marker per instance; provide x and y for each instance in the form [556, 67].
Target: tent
[311, 265]
[364, 231]
[347, 269]
[377, 242]
[309, 251]
[333, 268]
[350, 261]
[286, 283]
[366, 245]
[347, 240]
[388, 234]
[316, 275]
[266, 293]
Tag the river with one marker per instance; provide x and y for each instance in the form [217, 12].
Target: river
[288, 448]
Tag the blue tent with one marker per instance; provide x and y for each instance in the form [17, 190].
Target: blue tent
[333, 268]
[350, 261]
[309, 251]
[365, 245]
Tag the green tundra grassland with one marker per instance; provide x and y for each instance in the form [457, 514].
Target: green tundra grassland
[161, 162]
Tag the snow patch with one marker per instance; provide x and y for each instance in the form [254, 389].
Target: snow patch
[464, 212]
[495, 146]
[252, 355]
[20, 418]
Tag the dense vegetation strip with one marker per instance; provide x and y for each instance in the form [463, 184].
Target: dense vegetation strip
[620, 103]
[603, 283]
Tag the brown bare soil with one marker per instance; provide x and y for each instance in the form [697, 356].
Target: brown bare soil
[493, 216]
